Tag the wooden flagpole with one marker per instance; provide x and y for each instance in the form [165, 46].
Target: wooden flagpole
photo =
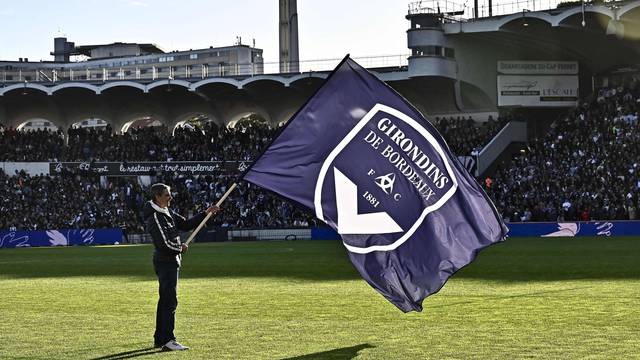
[222, 199]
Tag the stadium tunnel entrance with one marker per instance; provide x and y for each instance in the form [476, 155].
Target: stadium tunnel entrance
[249, 120]
[90, 123]
[37, 124]
[195, 122]
[142, 122]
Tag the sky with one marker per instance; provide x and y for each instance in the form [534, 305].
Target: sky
[328, 29]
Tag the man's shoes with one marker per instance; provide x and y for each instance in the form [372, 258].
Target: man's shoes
[174, 346]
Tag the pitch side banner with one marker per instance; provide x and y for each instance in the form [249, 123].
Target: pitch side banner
[137, 168]
[369, 165]
[59, 237]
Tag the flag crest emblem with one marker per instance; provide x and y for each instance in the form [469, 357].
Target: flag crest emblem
[383, 178]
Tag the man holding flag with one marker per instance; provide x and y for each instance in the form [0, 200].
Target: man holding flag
[164, 225]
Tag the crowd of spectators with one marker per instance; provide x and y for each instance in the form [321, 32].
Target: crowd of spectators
[66, 200]
[208, 142]
[36, 145]
[205, 143]
[75, 199]
[586, 167]
[79, 199]
[467, 137]
[248, 206]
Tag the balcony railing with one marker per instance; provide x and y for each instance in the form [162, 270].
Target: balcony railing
[167, 71]
[459, 10]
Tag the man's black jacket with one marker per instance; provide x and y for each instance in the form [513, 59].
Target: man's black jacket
[164, 226]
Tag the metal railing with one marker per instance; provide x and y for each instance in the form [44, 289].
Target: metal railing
[379, 61]
[134, 73]
[197, 71]
[449, 7]
[500, 8]
[461, 10]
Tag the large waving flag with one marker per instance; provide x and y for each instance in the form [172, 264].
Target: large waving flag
[370, 166]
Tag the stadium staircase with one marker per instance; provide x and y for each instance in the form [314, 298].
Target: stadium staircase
[513, 132]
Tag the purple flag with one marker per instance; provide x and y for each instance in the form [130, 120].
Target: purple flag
[370, 166]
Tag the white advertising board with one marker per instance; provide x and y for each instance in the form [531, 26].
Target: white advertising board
[537, 90]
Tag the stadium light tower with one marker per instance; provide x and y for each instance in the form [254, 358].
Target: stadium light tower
[289, 59]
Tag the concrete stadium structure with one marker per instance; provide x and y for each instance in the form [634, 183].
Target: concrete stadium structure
[452, 70]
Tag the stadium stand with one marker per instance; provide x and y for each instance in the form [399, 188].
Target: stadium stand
[44, 202]
[585, 168]
[35, 145]
[66, 200]
[141, 144]
[466, 136]
[117, 201]
[573, 159]
[207, 143]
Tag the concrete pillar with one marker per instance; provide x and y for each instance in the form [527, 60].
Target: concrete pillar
[289, 58]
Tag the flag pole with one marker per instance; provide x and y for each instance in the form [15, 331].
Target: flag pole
[222, 199]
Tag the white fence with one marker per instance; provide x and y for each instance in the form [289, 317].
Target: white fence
[270, 234]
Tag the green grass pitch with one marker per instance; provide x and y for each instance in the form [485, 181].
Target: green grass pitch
[523, 299]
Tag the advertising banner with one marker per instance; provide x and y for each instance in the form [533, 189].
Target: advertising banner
[60, 237]
[537, 91]
[575, 229]
[141, 168]
[538, 67]
[542, 229]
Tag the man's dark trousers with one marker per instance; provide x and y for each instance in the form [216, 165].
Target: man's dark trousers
[167, 303]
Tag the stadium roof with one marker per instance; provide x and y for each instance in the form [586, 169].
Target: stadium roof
[146, 48]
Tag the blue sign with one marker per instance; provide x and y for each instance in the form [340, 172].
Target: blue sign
[371, 167]
[64, 237]
[544, 229]
[575, 229]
